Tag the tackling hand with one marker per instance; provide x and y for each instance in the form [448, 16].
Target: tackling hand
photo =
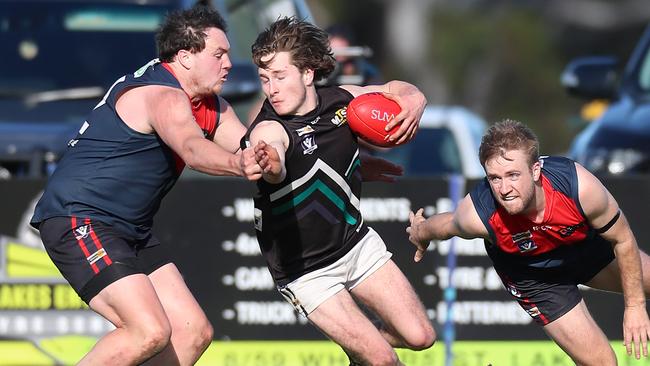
[416, 233]
[249, 166]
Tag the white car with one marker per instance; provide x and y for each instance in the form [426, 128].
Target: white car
[446, 143]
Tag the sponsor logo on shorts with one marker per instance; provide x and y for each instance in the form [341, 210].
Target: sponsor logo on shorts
[534, 312]
[513, 291]
[292, 299]
[96, 256]
[82, 232]
[524, 241]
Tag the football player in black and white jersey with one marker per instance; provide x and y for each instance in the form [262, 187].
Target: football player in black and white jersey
[319, 251]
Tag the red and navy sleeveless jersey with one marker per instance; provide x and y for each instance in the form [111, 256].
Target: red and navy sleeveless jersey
[206, 115]
[114, 174]
[516, 237]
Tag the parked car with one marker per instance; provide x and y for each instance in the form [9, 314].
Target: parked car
[618, 142]
[447, 143]
[58, 58]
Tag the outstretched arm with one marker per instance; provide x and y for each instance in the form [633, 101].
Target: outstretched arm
[464, 222]
[228, 135]
[230, 129]
[169, 114]
[604, 214]
[410, 99]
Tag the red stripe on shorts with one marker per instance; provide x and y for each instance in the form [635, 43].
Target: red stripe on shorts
[98, 244]
[541, 315]
[82, 245]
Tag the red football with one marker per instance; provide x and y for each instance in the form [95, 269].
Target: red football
[368, 115]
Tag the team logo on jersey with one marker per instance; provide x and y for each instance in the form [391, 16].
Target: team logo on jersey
[569, 230]
[524, 241]
[305, 130]
[82, 232]
[308, 144]
[340, 117]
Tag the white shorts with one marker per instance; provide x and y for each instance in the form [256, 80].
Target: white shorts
[312, 289]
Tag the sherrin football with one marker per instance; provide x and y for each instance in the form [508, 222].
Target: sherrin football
[368, 114]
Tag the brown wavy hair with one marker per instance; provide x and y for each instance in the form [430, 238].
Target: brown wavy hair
[308, 45]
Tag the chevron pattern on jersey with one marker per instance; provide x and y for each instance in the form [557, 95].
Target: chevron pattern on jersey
[317, 207]
[318, 185]
[329, 171]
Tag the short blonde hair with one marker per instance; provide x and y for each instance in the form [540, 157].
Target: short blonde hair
[508, 135]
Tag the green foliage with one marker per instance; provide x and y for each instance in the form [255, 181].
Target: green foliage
[517, 47]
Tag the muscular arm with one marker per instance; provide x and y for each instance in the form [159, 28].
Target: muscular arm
[170, 115]
[410, 99]
[600, 208]
[464, 223]
[230, 129]
[271, 143]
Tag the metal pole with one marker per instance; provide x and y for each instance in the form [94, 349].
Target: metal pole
[456, 192]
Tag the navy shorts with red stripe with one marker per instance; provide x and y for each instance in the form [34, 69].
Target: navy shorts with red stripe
[547, 287]
[91, 255]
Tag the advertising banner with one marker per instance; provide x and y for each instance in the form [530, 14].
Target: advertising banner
[208, 224]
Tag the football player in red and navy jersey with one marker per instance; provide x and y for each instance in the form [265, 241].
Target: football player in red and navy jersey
[96, 214]
[548, 226]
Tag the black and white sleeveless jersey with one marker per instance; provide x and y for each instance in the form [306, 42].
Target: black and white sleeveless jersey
[312, 218]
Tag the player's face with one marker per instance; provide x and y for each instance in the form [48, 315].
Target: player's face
[284, 85]
[512, 181]
[211, 65]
